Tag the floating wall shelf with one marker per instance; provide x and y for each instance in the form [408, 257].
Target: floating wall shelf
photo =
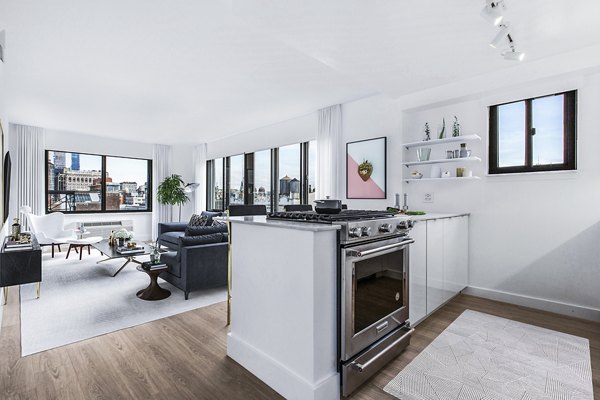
[440, 161]
[433, 142]
[452, 178]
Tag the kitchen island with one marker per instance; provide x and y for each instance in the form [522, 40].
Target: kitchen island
[284, 318]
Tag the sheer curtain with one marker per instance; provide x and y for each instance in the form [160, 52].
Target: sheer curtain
[161, 168]
[329, 148]
[28, 167]
[200, 177]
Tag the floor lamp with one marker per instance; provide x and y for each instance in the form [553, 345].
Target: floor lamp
[189, 188]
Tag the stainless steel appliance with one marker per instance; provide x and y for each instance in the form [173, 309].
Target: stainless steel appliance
[373, 289]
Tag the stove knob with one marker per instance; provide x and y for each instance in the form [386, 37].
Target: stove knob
[366, 230]
[385, 228]
[355, 232]
[403, 224]
[411, 223]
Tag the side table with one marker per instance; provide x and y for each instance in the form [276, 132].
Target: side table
[20, 267]
[153, 291]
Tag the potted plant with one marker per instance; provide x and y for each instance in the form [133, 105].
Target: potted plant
[171, 191]
[455, 127]
[424, 152]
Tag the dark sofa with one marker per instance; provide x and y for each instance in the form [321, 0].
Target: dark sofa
[200, 262]
[170, 232]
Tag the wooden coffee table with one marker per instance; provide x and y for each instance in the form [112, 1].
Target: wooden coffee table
[111, 253]
[153, 291]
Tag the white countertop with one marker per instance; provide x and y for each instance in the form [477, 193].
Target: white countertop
[429, 216]
[302, 226]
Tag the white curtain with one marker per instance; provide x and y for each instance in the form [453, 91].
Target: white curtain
[29, 168]
[329, 152]
[200, 177]
[161, 168]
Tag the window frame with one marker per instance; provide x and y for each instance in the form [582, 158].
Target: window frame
[569, 137]
[249, 169]
[103, 210]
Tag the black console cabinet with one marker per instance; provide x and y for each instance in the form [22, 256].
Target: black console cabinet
[20, 267]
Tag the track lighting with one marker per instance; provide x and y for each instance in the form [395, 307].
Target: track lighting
[492, 11]
[512, 54]
[498, 40]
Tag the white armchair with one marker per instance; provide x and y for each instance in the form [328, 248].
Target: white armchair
[48, 229]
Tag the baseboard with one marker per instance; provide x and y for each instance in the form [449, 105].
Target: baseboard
[572, 310]
[279, 377]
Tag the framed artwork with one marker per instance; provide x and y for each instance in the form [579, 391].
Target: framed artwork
[366, 169]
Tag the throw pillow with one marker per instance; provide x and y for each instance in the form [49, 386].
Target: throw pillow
[197, 220]
[205, 230]
[218, 223]
[202, 239]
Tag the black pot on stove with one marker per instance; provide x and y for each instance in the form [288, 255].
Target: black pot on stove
[328, 206]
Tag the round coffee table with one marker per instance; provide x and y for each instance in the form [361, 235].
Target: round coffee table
[153, 291]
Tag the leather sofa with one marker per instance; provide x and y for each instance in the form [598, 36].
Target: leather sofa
[200, 262]
[170, 232]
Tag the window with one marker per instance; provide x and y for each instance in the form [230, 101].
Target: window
[537, 134]
[83, 183]
[273, 177]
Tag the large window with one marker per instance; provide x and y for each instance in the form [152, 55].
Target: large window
[83, 183]
[531, 135]
[273, 177]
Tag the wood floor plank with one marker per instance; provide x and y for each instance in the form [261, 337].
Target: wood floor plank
[184, 357]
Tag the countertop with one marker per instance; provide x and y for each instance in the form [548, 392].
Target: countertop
[429, 216]
[303, 226]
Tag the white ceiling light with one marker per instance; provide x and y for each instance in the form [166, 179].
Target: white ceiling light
[492, 11]
[513, 55]
[499, 39]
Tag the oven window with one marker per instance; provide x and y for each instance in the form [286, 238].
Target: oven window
[378, 288]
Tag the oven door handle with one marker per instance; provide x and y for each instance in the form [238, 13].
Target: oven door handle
[362, 367]
[362, 253]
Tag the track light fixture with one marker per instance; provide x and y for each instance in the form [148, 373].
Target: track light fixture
[492, 11]
[501, 36]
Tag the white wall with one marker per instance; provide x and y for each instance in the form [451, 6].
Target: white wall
[77, 142]
[367, 118]
[4, 122]
[533, 237]
[295, 130]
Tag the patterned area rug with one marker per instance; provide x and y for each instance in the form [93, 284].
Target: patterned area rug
[480, 356]
[81, 299]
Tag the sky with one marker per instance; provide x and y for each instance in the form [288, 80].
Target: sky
[119, 169]
[547, 114]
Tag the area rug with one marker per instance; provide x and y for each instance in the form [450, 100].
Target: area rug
[480, 356]
[81, 299]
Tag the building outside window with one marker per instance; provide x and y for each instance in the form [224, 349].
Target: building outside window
[532, 135]
[262, 178]
[78, 182]
[235, 190]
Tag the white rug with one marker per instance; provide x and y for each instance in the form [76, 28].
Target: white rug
[480, 356]
[81, 299]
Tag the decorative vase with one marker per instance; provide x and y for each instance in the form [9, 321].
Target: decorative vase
[15, 229]
[121, 242]
[423, 154]
[155, 256]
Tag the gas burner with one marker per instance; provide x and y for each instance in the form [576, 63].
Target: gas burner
[344, 215]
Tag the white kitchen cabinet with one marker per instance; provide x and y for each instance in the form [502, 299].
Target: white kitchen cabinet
[417, 293]
[435, 264]
[439, 262]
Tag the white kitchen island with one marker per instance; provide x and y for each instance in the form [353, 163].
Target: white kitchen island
[283, 321]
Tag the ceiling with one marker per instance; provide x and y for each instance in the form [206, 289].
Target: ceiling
[192, 71]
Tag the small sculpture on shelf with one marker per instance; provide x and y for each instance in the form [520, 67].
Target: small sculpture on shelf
[455, 127]
[427, 132]
[441, 135]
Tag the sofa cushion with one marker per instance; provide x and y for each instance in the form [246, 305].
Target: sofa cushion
[201, 239]
[171, 237]
[204, 219]
[205, 230]
[171, 258]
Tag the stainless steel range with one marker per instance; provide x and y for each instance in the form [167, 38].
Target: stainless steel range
[373, 289]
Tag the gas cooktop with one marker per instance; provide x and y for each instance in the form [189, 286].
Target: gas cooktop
[344, 215]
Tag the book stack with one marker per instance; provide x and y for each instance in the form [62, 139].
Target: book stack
[14, 245]
[153, 267]
[130, 250]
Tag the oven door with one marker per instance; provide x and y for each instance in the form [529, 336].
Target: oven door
[374, 292]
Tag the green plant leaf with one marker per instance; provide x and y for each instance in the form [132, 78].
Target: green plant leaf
[171, 191]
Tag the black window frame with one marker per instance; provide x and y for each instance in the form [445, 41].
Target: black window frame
[249, 177]
[569, 137]
[103, 210]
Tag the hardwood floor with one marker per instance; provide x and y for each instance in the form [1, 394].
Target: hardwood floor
[183, 357]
